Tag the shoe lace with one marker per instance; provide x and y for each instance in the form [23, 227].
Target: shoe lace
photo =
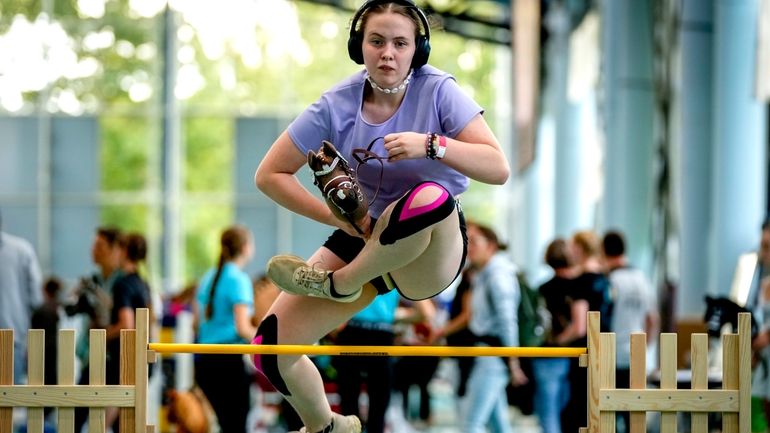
[310, 277]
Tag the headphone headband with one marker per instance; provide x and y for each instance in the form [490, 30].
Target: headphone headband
[422, 41]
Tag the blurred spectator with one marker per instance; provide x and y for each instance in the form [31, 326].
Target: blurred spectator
[552, 390]
[593, 287]
[761, 344]
[494, 303]
[94, 298]
[129, 292]
[635, 308]
[46, 317]
[456, 331]
[408, 371]
[223, 313]
[372, 326]
[20, 282]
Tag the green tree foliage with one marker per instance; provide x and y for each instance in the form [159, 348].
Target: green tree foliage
[117, 75]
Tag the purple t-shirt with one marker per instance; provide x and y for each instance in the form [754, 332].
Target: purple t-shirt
[433, 103]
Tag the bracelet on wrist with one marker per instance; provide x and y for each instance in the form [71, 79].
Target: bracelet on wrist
[441, 147]
[430, 148]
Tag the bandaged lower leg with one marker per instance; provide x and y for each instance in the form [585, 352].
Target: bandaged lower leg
[402, 234]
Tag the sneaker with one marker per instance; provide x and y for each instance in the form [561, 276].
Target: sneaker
[340, 424]
[293, 275]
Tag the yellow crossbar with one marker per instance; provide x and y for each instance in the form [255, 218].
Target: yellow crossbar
[265, 349]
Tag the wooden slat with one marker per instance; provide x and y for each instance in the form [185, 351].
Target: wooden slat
[97, 358]
[594, 349]
[744, 368]
[638, 379]
[607, 379]
[67, 396]
[141, 376]
[35, 375]
[127, 372]
[670, 401]
[668, 377]
[6, 375]
[730, 378]
[66, 376]
[700, 381]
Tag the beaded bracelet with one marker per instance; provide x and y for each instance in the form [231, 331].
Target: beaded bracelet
[430, 148]
[435, 146]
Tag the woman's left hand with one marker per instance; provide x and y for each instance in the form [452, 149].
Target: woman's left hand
[405, 145]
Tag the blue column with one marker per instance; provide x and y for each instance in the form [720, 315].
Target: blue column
[570, 170]
[628, 118]
[738, 177]
[538, 198]
[695, 168]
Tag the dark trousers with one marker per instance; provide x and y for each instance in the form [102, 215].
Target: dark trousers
[374, 372]
[415, 370]
[574, 415]
[226, 384]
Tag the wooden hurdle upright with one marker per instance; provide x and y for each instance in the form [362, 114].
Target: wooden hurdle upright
[604, 400]
[733, 400]
[130, 396]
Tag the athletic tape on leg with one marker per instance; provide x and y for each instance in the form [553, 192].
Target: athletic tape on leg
[268, 364]
[405, 221]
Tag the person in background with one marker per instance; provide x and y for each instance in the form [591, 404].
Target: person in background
[635, 308]
[223, 315]
[129, 292]
[94, 298]
[46, 317]
[372, 326]
[591, 291]
[552, 390]
[415, 321]
[494, 303]
[455, 331]
[759, 302]
[20, 294]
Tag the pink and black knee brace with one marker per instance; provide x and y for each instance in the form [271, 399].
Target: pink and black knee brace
[405, 221]
[268, 364]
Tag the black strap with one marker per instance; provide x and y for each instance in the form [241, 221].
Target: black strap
[367, 155]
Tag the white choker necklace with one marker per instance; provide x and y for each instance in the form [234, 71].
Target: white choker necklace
[400, 87]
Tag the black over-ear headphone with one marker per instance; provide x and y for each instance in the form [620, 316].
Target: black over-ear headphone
[422, 42]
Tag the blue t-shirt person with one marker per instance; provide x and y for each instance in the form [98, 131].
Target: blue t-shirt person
[234, 287]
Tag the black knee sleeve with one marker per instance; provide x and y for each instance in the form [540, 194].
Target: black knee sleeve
[404, 222]
[268, 364]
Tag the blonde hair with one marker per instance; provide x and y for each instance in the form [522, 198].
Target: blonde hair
[588, 242]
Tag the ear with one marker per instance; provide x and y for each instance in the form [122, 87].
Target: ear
[314, 161]
[328, 149]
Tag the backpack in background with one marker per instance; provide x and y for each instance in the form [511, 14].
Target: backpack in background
[533, 315]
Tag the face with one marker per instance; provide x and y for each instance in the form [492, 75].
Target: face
[576, 252]
[480, 249]
[105, 255]
[388, 47]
